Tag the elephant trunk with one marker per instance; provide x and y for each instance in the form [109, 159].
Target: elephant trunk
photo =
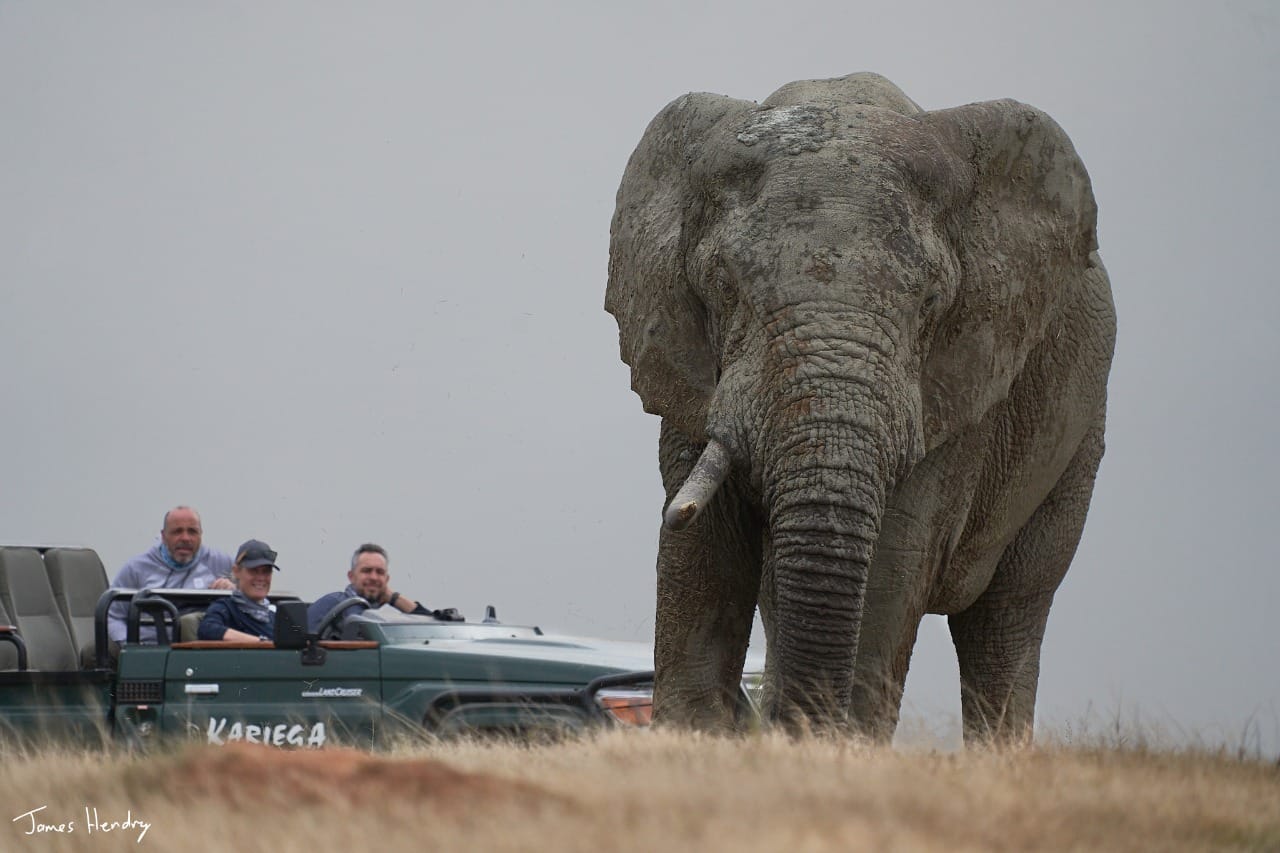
[837, 446]
[822, 542]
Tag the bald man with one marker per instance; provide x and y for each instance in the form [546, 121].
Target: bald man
[177, 560]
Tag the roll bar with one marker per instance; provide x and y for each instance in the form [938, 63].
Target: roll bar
[9, 634]
[147, 600]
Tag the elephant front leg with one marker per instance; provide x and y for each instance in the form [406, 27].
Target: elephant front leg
[998, 637]
[902, 575]
[895, 605]
[708, 583]
[922, 519]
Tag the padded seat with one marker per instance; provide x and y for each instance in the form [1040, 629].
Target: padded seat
[78, 579]
[189, 626]
[28, 598]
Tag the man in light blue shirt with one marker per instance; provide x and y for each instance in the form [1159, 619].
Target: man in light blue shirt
[178, 559]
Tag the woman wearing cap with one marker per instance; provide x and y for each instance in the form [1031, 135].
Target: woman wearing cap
[245, 616]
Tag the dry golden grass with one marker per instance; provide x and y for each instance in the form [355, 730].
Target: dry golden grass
[648, 791]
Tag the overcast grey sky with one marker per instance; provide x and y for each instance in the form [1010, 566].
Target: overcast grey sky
[333, 272]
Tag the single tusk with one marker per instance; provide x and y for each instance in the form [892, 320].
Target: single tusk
[704, 480]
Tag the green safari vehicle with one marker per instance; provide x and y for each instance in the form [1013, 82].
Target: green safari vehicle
[390, 676]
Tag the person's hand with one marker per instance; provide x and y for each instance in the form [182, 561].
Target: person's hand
[222, 583]
[448, 614]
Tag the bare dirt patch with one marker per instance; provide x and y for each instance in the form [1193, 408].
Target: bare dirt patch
[239, 774]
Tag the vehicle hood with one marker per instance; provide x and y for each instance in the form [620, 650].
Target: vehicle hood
[546, 659]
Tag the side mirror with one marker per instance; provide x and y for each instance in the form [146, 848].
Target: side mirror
[291, 625]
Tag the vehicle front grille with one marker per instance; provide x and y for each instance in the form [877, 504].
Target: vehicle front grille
[140, 691]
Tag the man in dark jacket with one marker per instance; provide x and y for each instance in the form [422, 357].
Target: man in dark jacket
[245, 615]
[369, 579]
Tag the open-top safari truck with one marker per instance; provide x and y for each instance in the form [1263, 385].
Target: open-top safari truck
[385, 678]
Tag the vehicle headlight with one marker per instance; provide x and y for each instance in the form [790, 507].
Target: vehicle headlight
[630, 706]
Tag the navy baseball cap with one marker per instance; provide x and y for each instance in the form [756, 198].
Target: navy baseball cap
[256, 553]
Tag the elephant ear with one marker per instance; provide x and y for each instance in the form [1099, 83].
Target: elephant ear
[1023, 228]
[662, 323]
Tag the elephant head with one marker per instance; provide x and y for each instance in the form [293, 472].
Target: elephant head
[821, 290]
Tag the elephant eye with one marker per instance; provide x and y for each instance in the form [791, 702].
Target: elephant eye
[929, 301]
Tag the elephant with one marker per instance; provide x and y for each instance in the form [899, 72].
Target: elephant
[878, 339]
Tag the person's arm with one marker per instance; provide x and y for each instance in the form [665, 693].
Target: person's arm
[417, 608]
[233, 636]
[220, 564]
[216, 625]
[116, 616]
[216, 622]
[118, 613]
[406, 605]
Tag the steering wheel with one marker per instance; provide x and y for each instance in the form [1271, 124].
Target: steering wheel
[329, 627]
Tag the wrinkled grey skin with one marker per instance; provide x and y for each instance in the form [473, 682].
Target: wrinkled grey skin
[894, 326]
